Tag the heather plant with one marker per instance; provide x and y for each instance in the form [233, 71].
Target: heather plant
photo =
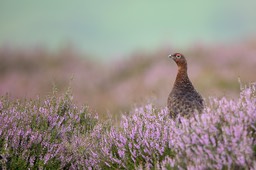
[223, 137]
[142, 138]
[54, 133]
[38, 133]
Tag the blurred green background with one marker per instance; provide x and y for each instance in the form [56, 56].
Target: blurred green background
[111, 29]
[113, 54]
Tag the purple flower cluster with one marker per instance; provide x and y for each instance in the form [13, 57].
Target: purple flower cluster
[55, 134]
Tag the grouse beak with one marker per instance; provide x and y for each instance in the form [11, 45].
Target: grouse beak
[171, 56]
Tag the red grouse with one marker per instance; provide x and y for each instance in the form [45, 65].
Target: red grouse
[183, 100]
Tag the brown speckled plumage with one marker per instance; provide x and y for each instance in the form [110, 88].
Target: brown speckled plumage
[183, 100]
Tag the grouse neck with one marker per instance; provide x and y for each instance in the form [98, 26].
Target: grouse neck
[182, 79]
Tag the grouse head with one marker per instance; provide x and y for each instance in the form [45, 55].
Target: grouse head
[180, 60]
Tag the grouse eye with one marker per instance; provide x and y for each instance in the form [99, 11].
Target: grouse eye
[178, 55]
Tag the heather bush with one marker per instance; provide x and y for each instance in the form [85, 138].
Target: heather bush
[144, 137]
[223, 137]
[55, 134]
[40, 133]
